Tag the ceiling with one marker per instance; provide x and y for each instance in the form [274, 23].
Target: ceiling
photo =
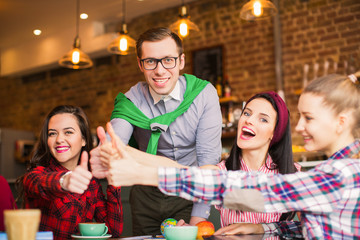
[56, 19]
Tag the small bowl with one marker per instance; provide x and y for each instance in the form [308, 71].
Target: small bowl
[181, 232]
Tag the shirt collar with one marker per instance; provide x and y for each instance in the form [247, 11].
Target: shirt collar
[348, 151]
[175, 94]
[55, 165]
[268, 167]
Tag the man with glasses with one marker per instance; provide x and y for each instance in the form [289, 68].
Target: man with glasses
[170, 115]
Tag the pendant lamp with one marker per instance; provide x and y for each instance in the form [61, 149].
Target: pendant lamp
[123, 43]
[76, 59]
[184, 25]
[257, 10]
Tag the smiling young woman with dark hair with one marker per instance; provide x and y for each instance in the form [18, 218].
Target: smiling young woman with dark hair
[263, 144]
[59, 181]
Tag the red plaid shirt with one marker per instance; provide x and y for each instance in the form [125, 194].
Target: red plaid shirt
[61, 211]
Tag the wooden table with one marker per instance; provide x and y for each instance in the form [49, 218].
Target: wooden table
[229, 237]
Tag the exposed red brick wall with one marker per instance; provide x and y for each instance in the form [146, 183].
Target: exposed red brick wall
[313, 31]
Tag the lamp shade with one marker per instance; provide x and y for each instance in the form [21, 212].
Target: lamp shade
[76, 59]
[183, 26]
[123, 44]
[257, 10]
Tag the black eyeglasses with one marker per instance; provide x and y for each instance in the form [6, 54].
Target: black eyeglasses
[166, 62]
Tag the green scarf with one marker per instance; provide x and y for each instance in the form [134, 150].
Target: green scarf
[125, 109]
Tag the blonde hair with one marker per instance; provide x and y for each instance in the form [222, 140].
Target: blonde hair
[340, 93]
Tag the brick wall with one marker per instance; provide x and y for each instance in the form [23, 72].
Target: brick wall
[313, 31]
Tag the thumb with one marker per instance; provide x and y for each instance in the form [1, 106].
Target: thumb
[84, 160]
[101, 134]
[110, 130]
[115, 140]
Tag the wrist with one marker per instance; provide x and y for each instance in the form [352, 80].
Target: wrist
[62, 180]
[149, 176]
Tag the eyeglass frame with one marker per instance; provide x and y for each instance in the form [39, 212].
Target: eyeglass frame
[157, 62]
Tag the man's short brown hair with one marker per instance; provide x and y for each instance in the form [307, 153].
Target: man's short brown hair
[158, 34]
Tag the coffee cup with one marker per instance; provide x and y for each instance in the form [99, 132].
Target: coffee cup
[22, 224]
[93, 229]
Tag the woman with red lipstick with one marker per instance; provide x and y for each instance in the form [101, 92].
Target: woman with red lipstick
[59, 181]
[263, 144]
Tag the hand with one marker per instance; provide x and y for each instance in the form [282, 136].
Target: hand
[108, 153]
[240, 228]
[79, 180]
[98, 169]
[194, 220]
[181, 222]
[117, 167]
[125, 170]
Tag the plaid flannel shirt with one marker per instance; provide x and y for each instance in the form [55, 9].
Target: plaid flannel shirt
[328, 195]
[61, 211]
[294, 229]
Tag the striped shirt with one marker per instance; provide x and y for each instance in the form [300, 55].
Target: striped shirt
[328, 195]
[230, 216]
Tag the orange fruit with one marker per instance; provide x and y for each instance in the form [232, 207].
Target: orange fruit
[205, 228]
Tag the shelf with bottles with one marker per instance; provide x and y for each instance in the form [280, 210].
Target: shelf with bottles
[223, 87]
[230, 111]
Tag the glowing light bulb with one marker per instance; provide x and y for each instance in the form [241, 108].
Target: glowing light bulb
[37, 32]
[257, 9]
[75, 56]
[183, 29]
[123, 44]
[84, 16]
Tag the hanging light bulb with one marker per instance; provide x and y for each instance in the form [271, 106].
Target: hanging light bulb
[257, 10]
[183, 25]
[75, 56]
[76, 59]
[183, 29]
[123, 43]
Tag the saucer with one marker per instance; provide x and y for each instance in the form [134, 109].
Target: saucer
[76, 236]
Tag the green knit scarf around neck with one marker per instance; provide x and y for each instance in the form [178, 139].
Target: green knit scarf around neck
[125, 109]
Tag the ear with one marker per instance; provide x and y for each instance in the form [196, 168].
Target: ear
[139, 64]
[343, 122]
[270, 138]
[272, 135]
[182, 61]
[83, 143]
